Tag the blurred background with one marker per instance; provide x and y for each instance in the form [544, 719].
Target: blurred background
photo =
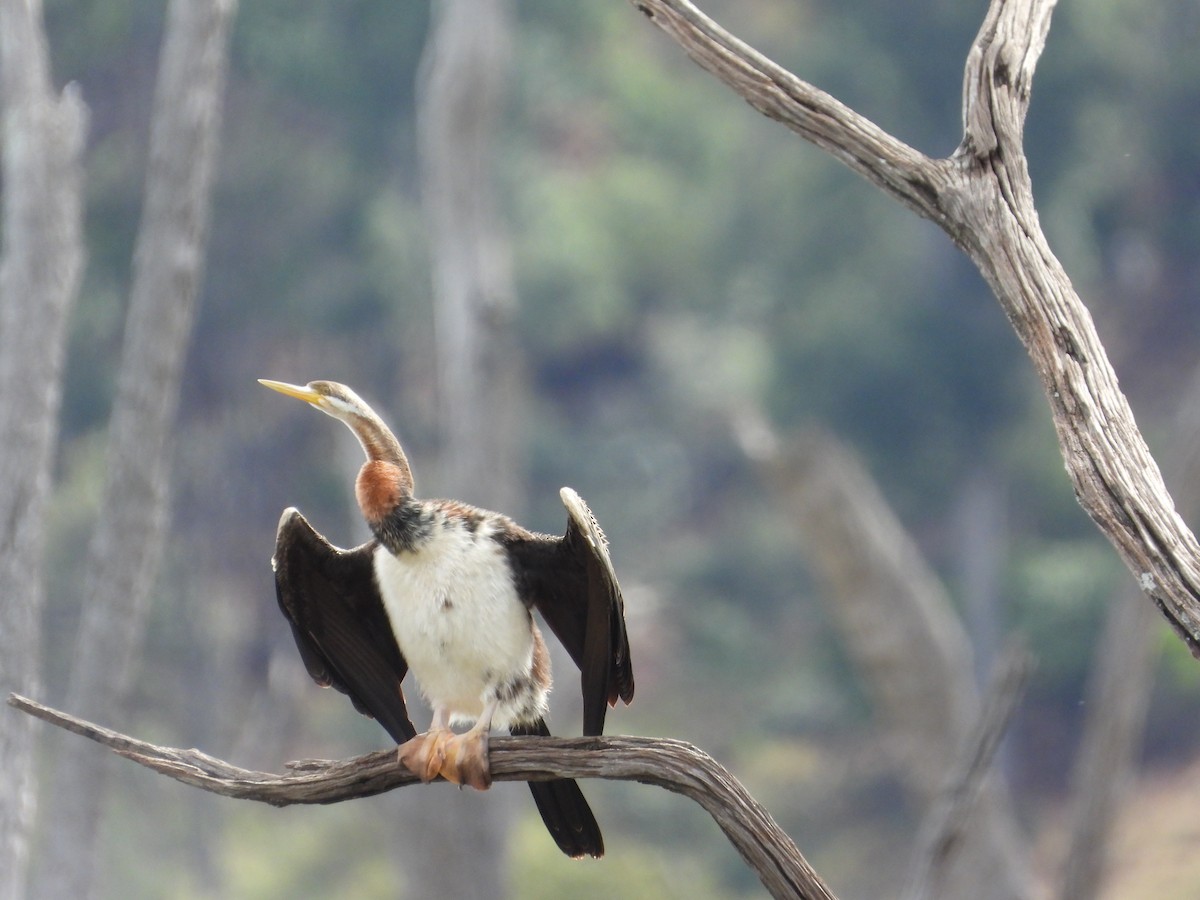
[694, 290]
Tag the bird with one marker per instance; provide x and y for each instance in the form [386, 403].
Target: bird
[447, 591]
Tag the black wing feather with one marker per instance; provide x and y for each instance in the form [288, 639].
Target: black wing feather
[341, 628]
[573, 585]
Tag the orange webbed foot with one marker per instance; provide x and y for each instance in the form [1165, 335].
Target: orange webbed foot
[425, 755]
[467, 760]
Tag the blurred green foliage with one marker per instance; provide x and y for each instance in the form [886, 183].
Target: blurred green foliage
[678, 258]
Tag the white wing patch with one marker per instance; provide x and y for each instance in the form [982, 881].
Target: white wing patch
[581, 515]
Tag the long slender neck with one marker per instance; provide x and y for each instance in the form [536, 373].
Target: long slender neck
[385, 481]
[377, 439]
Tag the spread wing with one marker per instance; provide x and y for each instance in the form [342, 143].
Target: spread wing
[338, 620]
[572, 583]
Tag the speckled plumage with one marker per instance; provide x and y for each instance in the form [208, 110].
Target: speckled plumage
[448, 590]
[467, 635]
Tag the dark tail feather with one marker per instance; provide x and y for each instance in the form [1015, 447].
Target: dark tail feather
[568, 817]
[564, 809]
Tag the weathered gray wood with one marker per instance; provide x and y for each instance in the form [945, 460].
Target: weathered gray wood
[946, 825]
[674, 765]
[43, 257]
[982, 197]
[126, 545]
[901, 630]
[1120, 684]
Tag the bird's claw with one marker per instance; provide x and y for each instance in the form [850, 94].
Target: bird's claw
[467, 760]
[425, 755]
[459, 758]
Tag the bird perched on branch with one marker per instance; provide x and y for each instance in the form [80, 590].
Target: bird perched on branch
[447, 590]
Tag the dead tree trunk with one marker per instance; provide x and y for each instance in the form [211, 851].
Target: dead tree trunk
[1121, 680]
[127, 543]
[900, 628]
[39, 277]
[464, 72]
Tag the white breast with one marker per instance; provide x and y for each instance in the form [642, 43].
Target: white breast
[457, 617]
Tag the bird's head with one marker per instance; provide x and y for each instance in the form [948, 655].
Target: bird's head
[329, 397]
[343, 404]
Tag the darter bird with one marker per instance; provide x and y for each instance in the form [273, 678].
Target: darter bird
[447, 591]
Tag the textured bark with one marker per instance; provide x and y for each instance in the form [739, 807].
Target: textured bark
[909, 647]
[983, 198]
[127, 543]
[39, 278]
[463, 77]
[674, 765]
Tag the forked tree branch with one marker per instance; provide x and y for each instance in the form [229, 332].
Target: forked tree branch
[816, 116]
[674, 765]
[982, 197]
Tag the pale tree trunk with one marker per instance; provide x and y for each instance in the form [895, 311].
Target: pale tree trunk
[127, 544]
[464, 71]
[902, 632]
[1121, 678]
[40, 270]
[982, 197]
[1119, 690]
[981, 526]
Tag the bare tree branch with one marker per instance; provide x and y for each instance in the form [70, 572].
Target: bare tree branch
[945, 825]
[674, 765]
[982, 197]
[810, 112]
[917, 666]
[1120, 683]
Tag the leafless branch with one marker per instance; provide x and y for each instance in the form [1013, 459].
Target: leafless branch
[982, 197]
[945, 824]
[1120, 682]
[918, 668]
[674, 765]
